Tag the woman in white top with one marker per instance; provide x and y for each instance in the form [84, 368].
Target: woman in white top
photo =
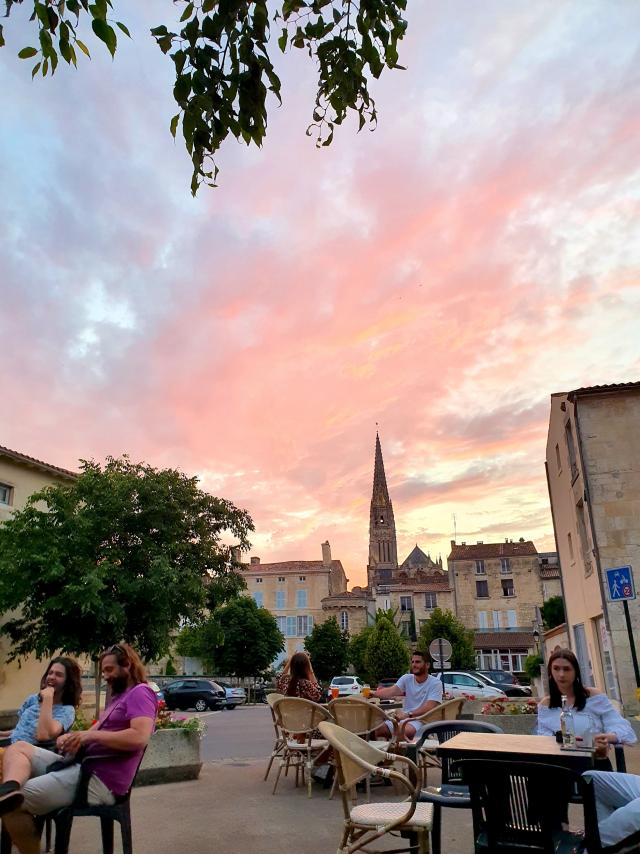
[592, 711]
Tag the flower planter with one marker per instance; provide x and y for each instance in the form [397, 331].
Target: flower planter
[172, 755]
[513, 724]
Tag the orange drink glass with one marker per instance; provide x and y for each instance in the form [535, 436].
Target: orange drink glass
[335, 693]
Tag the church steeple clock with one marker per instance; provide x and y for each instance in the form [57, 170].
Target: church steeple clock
[383, 550]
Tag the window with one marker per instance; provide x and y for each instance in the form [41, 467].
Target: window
[258, 598]
[464, 680]
[302, 578]
[558, 460]
[480, 568]
[258, 581]
[305, 625]
[496, 619]
[281, 579]
[568, 434]
[584, 540]
[282, 624]
[505, 566]
[406, 603]
[344, 621]
[482, 589]
[507, 587]
[291, 627]
[430, 601]
[511, 620]
[6, 493]
[570, 544]
[280, 599]
[385, 574]
[404, 629]
[301, 598]
[482, 620]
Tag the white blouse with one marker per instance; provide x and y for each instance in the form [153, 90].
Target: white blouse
[598, 716]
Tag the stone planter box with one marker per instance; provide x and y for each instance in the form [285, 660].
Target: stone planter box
[172, 755]
[514, 724]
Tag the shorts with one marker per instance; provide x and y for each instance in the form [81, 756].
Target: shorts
[419, 727]
[44, 792]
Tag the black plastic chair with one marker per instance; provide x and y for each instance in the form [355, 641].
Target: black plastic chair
[453, 792]
[108, 814]
[519, 806]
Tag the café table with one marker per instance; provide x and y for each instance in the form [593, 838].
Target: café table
[516, 748]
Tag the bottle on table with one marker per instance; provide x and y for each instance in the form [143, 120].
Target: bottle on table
[567, 724]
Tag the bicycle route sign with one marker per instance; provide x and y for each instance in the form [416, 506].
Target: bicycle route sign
[620, 583]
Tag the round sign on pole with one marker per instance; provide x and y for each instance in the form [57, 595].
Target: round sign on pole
[440, 649]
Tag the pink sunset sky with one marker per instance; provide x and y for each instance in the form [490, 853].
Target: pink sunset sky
[440, 277]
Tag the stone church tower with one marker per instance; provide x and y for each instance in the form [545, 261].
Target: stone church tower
[383, 550]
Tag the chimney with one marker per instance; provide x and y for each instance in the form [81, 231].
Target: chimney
[521, 540]
[326, 553]
[453, 542]
[235, 555]
[479, 543]
[255, 560]
[506, 539]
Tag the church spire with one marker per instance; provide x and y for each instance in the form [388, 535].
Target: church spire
[383, 550]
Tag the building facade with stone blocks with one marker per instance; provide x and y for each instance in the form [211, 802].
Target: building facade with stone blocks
[549, 563]
[293, 592]
[593, 473]
[498, 593]
[20, 477]
[354, 609]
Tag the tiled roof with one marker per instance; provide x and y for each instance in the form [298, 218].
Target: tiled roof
[291, 566]
[417, 557]
[503, 640]
[25, 458]
[359, 595]
[489, 550]
[602, 389]
[552, 571]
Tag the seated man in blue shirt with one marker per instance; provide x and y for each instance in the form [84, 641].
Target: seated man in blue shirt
[421, 693]
[46, 715]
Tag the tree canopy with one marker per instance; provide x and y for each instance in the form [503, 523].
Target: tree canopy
[387, 654]
[443, 624]
[123, 552]
[553, 612]
[220, 51]
[328, 649]
[251, 638]
[358, 650]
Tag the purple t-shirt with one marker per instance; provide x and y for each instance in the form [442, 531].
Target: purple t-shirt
[117, 774]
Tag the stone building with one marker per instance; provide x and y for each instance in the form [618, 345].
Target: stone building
[498, 589]
[593, 474]
[550, 575]
[294, 590]
[20, 477]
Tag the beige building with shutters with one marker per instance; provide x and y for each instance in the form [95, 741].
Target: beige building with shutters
[593, 473]
[21, 476]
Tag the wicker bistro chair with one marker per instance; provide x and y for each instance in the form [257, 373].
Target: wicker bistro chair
[279, 743]
[356, 759]
[424, 756]
[297, 718]
[363, 718]
[452, 792]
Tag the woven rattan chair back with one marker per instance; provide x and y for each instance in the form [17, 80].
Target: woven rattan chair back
[297, 716]
[357, 715]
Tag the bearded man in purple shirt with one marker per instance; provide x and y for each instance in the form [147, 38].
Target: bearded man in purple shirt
[117, 741]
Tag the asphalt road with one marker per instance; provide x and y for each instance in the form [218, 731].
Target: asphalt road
[245, 732]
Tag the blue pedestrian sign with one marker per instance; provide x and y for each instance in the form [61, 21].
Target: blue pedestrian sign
[620, 582]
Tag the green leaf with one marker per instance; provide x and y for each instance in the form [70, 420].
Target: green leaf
[282, 41]
[124, 29]
[188, 12]
[53, 19]
[45, 67]
[43, 16]
[2, 42]
[65, 51]
[105, 33]
[35, 69]
[208, 5]
[83, 48]
[173, 127]
[27, 52]
[99, 10]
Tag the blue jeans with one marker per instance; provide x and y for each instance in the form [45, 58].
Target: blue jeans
[617, 803]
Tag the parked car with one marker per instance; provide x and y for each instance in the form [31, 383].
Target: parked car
[504, 680]
[198, 694]
[348, 686]
[235, 696]
[457, 683]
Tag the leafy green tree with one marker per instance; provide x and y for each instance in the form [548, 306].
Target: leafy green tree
[201, 640]
[357, 651]
[387, 654]
[553, 612]
[223, 69]
[123, 552]
[170, 668]
[328, 649]
[443, 624]
[251, 638]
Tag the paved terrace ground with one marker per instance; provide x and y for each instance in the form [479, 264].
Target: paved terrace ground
[230, 809]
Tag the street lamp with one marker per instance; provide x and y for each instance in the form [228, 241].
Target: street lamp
[536, 638]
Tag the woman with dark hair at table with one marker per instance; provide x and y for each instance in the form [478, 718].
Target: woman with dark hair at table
[593, 712]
